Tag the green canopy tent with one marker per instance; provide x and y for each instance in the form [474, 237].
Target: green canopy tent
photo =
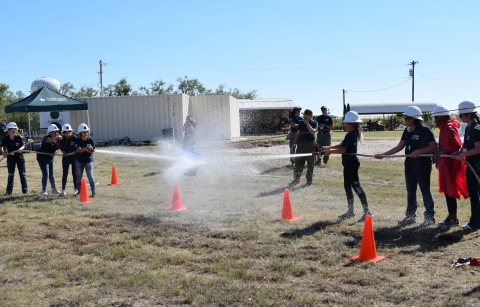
[46, 100]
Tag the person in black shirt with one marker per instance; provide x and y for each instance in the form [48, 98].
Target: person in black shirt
[294, 119]
[68, 147]
[324, 137]
[350, 163]
[417, 139]
[84, 158]
[14, 145]
[304, 142]
[470, 151]
[189, 129]
[3, 128]
[45, 155]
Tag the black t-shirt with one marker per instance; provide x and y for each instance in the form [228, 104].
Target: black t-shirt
[295, 120]
[472, 135]
[326, 120]
[417, 139]
[350, 143]
[69, 145]
[84, 157]
[305, 135]
[47, 148]
[12, 145]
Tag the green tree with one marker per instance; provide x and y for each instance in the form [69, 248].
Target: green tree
[156, 88]
[191, 87]
[85, 92]
[235, 93]
[67, 89]
[121, 88]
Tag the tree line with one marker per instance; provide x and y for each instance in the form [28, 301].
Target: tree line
[191, 87]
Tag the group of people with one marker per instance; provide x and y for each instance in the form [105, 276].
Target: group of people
[77, 154]
[455, 180]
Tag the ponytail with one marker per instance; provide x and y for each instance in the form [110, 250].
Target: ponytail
[417, 123]
[359, 131]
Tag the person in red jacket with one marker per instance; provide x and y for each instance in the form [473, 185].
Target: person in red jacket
[451, 173]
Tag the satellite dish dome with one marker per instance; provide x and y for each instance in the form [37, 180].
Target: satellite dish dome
[47, 82]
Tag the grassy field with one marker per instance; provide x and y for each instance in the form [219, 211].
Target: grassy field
[227, 248]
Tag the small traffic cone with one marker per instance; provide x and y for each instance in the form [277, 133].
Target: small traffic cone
[84, 193]
[368, 250]
[177, 200]
[114, 180]
[287, 211]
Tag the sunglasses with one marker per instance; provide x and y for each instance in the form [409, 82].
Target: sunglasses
[54, 132]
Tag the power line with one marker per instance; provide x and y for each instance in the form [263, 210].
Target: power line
[379, 89]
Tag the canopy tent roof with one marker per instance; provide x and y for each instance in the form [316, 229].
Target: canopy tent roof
[266, 104]
[390, 107]
[46, 100]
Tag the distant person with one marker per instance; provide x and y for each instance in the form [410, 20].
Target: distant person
[470, 151]
[189, 129]
[84, 158]
[68, 146]
[324, 137]
[350, 163]
[417, 139]
[293, 119]
[45, 158]
[451, 173]
[14, 144]
[305, 143]
[3, 127]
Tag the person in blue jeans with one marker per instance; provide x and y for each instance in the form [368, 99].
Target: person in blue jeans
[14, 145]
[45, 155]
[84, 158]
[417, 139]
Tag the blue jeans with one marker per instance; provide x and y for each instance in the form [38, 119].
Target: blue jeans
[47, 174]
[11, 163]
[80, 166]
[419, 174]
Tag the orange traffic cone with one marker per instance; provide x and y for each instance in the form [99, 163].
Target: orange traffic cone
[368, 250]
[287, 211]
[177, 200]
[114, 180]
[84, 193]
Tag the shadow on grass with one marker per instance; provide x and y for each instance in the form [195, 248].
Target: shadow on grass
[474, 291]
[153, 174]
[426, 238]
[309, 230]
[275, 169]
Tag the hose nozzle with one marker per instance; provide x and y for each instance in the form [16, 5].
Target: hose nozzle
[315, 153]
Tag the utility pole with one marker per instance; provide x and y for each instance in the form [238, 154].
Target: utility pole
[101, 80]
[412, 74]
[344, 108]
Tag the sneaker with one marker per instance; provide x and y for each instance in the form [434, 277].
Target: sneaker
[449, 222]
[75, 193]
[7, 194]
[347, 215]
[26, 192]
[362, 219]
[308, 184]
[44, 193]
[63, 193]
[55, 192]
[407, 221]
[294, 182]
[467, 227]
[428, 222]
[93, 195]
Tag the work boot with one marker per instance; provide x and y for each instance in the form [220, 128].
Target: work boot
[365, 213]
[408, 220]
[347, 215]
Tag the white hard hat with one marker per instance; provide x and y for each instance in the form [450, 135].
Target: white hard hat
[66, 127]
[466, 107]
[82, 128]
[440, 111]
[52, 127]
[12, 125]
[413, 111]
[352, 117]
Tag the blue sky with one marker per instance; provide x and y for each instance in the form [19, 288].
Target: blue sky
[304, 50]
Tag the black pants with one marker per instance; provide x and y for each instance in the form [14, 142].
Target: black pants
[304, 147]
[474, 191]
[451, 204]
[351, 180]
[65, 165]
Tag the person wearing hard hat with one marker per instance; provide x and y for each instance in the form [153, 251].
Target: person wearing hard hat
[189, 129]
[470, 151]
[14, 145]
[294, 119]
[417, 139]
[324, 137]
[45, 156]
[68, 147]
[84, 158]
[348, 148]
[451, 173]
[304, 142]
